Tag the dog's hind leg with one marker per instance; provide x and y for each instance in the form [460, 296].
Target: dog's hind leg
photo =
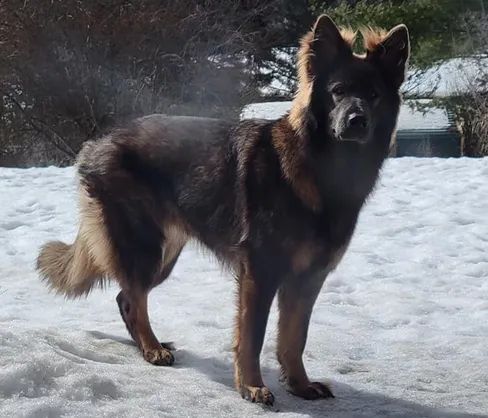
[134, 206]
[146, 250]
[296, 299]
[133, 309]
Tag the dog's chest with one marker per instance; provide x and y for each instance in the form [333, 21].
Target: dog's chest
[319, 243]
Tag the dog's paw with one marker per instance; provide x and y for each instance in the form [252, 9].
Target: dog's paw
[260, 394]
[312, 391]
[159, 356]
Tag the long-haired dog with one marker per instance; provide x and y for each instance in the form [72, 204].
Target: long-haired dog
[276, 201]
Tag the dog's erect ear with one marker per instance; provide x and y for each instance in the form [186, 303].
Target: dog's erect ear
[392, 53]
[325, 44]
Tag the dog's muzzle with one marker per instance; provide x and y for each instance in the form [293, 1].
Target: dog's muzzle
[356, 128]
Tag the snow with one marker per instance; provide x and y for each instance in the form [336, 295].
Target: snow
[408, 119]
[432, 118]
[265, 110]
[456, 75]
[400, 328]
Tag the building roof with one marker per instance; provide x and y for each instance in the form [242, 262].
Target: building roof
[456, 75]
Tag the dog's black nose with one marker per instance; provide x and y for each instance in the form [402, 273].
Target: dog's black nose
[355, 127]
[357, 120]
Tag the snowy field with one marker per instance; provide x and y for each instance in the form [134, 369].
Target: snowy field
[399, 330]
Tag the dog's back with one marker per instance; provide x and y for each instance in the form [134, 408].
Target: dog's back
[149, 186]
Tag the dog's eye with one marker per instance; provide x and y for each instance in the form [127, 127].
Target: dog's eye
[338, 90]
[373, 94]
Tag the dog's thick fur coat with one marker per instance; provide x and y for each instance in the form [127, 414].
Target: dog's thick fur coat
[276, 201]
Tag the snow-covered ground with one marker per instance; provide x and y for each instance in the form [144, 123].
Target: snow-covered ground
[400, 329]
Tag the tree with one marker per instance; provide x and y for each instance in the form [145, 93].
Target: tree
[69, 70]
[468, 100]
[436, 26]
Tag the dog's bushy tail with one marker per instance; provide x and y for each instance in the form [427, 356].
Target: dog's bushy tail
[68, 269]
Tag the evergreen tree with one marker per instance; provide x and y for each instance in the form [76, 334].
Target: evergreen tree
[436, 27]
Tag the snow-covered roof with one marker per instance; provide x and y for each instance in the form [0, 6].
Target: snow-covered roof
[455, 75]
[265, 110]
[408, 118]
[433, 118]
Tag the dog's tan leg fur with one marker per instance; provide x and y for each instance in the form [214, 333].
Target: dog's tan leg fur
[133, 309]
[93, 233]
[296, 301]
[237, 339]
[254, 302]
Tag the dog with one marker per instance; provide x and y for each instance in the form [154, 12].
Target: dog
[276, 201]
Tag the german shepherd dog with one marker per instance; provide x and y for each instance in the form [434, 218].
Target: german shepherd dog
[276, 202]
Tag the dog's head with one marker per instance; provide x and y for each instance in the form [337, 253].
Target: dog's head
[340, 92]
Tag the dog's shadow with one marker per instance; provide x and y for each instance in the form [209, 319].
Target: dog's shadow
[348, 402]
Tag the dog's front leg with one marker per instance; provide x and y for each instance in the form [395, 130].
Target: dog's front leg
[256, 294]
[296, 298]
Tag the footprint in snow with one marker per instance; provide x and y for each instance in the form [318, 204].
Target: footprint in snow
[11, 225]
